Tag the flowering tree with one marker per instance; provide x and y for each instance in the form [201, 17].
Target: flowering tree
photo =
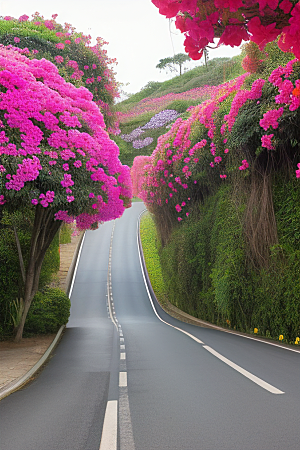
[234, 21]
[55, 157]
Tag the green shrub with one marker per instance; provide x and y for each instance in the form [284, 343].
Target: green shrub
[48, 312]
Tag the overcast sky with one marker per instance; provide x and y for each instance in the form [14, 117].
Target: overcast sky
[138, 35]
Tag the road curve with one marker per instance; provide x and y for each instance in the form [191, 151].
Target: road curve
[148, 381]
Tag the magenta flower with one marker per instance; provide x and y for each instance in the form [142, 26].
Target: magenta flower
[2, 200]
[16, 40]
[60, 45]
[266, 141]
[23, 18]
[49, 24]
[59, 59]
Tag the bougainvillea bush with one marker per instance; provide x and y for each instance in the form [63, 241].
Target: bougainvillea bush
[55, 157]
[78, 61]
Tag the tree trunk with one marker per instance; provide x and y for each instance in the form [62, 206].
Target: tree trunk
[43, 232]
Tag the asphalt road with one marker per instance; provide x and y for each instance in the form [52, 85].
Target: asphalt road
[123, 376]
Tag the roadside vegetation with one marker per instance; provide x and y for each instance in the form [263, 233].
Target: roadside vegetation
[222, 186]
[176, 94]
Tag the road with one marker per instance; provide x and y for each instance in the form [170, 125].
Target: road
[126, 376]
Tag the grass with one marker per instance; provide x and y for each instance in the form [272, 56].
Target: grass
[150, 249]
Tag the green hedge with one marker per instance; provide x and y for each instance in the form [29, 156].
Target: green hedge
[207, 273]
[49, 310]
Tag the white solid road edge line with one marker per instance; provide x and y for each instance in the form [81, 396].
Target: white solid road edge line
[76, 266]
[244, 372]
[215, 326]
[110, 427]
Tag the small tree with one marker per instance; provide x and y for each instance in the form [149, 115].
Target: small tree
[171, 63]
[55, 157]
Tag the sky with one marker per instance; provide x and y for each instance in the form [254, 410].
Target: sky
[138, 35]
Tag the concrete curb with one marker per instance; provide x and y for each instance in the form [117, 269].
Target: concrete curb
[176, 313]
[18, 383]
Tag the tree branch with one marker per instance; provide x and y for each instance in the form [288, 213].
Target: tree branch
[21, 260]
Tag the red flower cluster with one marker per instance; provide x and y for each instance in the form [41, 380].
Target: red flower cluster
[234, 21]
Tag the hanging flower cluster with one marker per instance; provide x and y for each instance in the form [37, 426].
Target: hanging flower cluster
[234, 21]
[184, 150]
[45, 156]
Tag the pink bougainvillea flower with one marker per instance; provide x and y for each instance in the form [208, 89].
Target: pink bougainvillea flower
[244, 165]
[49, 24]
[272, 4]
[270, 118]
[266, 141]
[23, 18]
[286, 6]
[233, 35]
[261, 34]
[233, 5]
[59, 59]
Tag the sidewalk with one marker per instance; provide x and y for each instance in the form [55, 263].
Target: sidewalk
[17, 359]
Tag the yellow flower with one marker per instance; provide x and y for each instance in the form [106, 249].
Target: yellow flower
[281, 337]
[255, 330]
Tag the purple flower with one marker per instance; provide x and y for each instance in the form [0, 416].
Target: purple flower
[160, 119]
[142, 142]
